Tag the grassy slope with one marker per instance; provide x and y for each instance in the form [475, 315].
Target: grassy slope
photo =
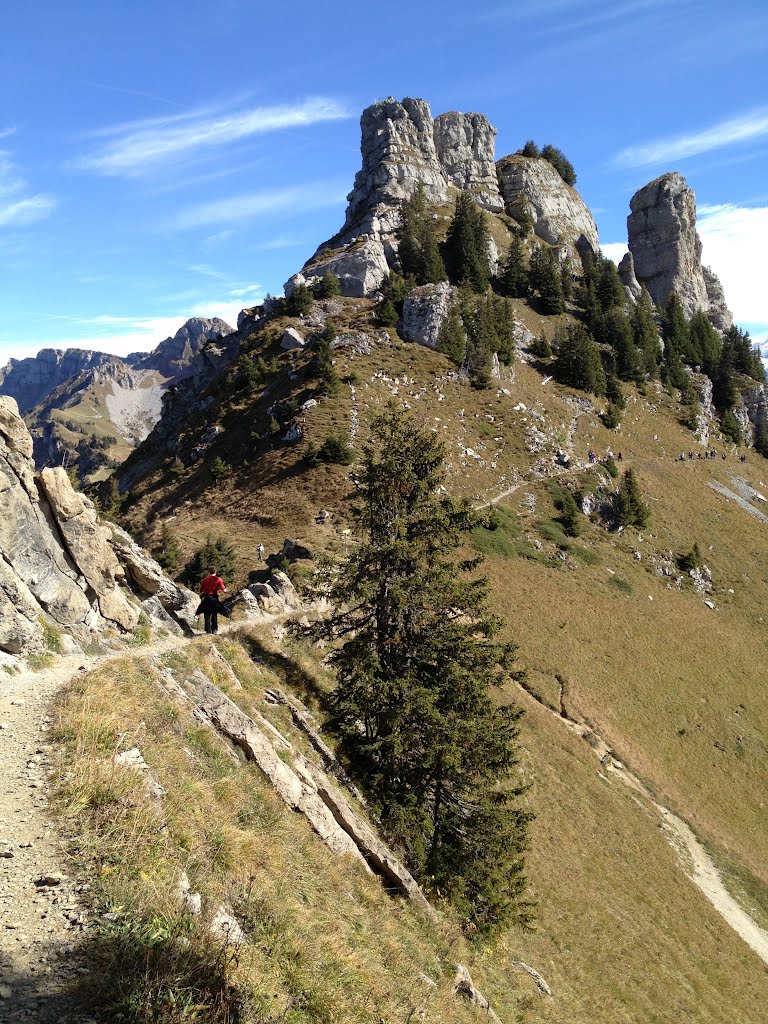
[673, 686]
[622, 935]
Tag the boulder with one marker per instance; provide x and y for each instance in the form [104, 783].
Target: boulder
[291, 340]
[666, 247]
[559, 214]
[465, 149]
[424, 311]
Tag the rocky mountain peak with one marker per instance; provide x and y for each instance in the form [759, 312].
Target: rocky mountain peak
[666, 248]
[398, 151]
[532, 186]
[172, 357]
[465, 145]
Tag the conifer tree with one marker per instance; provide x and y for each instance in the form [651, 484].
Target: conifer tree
[610, 290]
[725, 392]
[578, 361]
[452, 337]
[505, 330]
[419, 250]
[218, 553]
[514, 278]
[761, 437]
[617, 332]
[629, 506]
[300, 301]
[560, 162]
[530, 149]
[646, 334]
[327, 286]
[544, 278]
[413, 704]
[321, 364]
[675, 328]
[467, 245]
[705, 344]
[168, 554]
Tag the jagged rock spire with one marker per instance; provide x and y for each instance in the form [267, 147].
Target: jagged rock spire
[666, 248]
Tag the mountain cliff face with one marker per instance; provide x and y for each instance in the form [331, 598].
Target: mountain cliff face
[28, 381]
[666, 249]
[402, 145]
[59, 568]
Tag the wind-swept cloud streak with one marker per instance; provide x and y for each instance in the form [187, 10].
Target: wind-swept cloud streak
[753, 125]
[17, 207]
[136, 146]
[297, 199]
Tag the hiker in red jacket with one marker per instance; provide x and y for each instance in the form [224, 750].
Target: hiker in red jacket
[210, 588]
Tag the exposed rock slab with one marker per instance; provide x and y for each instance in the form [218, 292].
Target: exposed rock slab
[465, 145]
[628, 278]
[424, 312]
[464, 986]
[559, 214]
[361, 267]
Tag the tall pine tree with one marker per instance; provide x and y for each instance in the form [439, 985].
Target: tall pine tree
[413, 706]
[467, 245]
[419, 250]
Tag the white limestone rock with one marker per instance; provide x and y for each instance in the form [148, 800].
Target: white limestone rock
[666, 247]
[424, 311]
[465, 148]
[291, 340]
[560, 216]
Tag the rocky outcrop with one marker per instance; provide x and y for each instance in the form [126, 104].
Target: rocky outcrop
[398, 151]
[632, 287]
[60, 567]
[173, 357]
[424, 311]
[401, 147]
[465, 149]
[361, 268]
[531, 186]
[718, 312]
[666, 247]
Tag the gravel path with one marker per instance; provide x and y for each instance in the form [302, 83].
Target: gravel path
[40, 916]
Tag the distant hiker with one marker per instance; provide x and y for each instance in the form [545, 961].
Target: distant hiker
[743, 459]
[619, 457]
[210, 588]
[260, 552]
[724, 456]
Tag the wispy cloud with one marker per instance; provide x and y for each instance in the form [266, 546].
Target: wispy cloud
[138, 145]
[7, 131]
[733, 239]
[752, 125]
[297, 199]
[17, 205]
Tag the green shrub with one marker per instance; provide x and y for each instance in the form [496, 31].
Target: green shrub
[621, 584]
[690, 559]
[335, 448]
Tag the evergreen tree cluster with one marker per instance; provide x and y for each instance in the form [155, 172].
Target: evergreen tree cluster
[577, 362]
[466, 247]
[414, 707]
[475, 328]
[419, 251]
[216, 553]
[554, 156]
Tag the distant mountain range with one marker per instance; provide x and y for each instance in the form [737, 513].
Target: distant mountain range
[90, 409]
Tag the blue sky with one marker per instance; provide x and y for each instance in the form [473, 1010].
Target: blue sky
[168, 159]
